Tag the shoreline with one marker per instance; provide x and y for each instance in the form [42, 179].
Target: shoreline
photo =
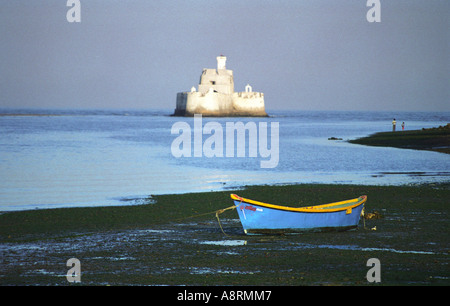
[176, 240]
[435, 139]
[144, 200]
[172, 201]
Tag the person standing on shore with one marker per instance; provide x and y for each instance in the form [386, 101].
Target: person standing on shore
[393, 125]
[403, 125]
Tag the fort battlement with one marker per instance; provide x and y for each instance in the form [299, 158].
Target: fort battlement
[216, 96]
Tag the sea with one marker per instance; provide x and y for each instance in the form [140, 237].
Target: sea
[81, 158]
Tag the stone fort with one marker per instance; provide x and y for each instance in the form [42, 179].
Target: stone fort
[216, 96]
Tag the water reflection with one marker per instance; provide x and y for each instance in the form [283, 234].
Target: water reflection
[100, 158]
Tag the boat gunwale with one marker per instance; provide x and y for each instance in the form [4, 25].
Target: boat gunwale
[323, 208]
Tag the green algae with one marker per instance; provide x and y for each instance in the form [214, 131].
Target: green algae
[176, 240]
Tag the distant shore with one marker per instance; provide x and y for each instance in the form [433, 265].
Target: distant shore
[176, 240]
[29, 115]
[433, 139]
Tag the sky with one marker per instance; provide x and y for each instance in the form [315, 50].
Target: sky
[302, 54]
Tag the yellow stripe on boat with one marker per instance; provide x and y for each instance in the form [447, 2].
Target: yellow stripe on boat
[346, 205]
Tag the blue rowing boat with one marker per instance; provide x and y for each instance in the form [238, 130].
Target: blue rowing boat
[262, 218]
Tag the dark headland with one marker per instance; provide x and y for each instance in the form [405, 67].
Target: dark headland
[433, 139]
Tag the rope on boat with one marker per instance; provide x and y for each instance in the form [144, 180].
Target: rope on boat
[218, 212]
[362, 215]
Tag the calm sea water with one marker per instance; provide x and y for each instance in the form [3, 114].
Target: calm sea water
[91, 158]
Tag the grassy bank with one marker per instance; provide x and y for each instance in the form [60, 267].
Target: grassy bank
[176, 240]
[434, 139]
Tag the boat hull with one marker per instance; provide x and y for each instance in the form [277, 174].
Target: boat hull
[262, 218]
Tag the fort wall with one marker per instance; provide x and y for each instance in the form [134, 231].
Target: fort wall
[216, 96]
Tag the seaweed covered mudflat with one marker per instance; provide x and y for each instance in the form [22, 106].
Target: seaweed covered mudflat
[177, 240]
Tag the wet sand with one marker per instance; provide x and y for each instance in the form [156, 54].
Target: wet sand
[176, 240]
